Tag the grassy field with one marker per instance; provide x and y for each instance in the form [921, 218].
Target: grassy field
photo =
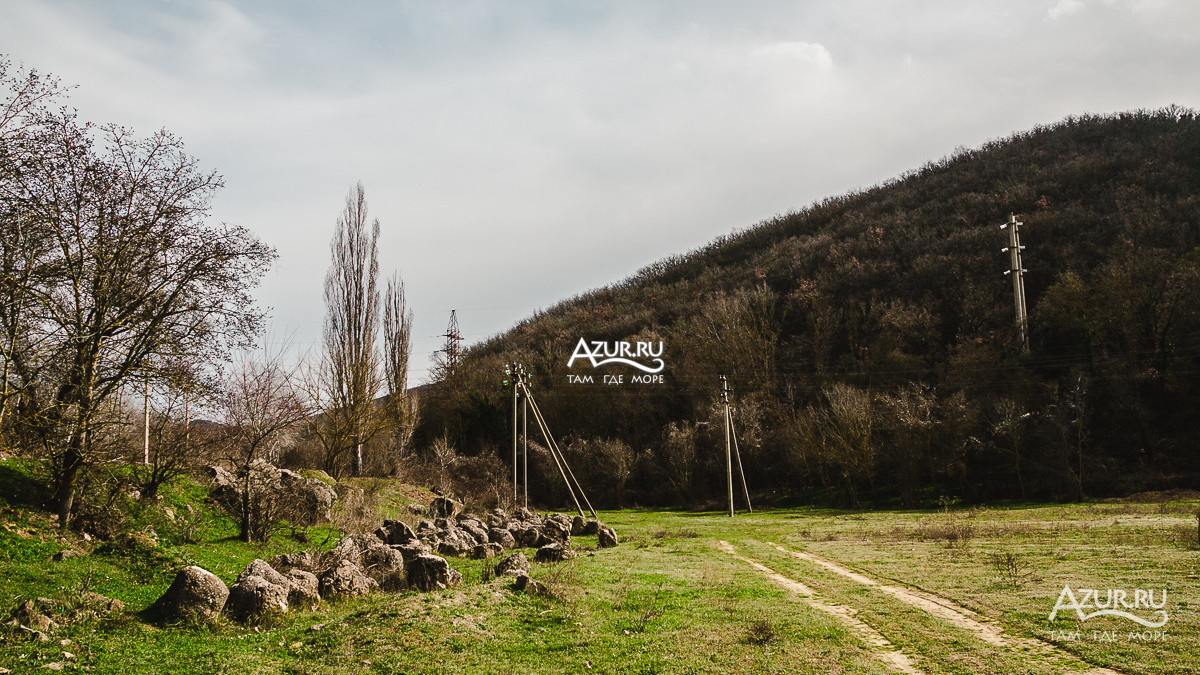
[788, 591]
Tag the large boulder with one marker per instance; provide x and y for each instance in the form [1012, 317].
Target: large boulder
[345, 580]
[412, 549]
[453, 541]
[253, 598]
[497, 519]
[385, 565]
[259, 568]
[479, 531]
[513, 565]
[394, 532]
[485, 551]
[347, 550]
[524, 534]
[303, 588]
[502, 537]
[444, 507]
[196, 595]
[578, 524]
[555, 531]
[607, 537]
[431, 573]
[287, 562]
[554, 552]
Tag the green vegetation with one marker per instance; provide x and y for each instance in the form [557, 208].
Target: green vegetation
[667, 600]
[870, 338]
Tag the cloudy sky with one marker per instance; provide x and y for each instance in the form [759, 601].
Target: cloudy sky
[519, 152]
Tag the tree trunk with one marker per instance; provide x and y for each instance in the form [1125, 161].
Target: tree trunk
[64, 496]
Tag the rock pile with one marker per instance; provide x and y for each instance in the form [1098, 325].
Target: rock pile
[395, 557]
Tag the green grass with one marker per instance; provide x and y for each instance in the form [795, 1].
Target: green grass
[665, 601]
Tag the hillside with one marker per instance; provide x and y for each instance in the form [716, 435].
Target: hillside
[870, 343]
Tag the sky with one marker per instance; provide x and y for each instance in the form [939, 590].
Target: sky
[518, 152]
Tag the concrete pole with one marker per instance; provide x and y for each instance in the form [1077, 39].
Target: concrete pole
[728, 449]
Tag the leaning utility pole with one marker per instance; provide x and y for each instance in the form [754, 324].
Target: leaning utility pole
[1014, 249]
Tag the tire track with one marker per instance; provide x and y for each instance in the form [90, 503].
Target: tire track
[949, 611]
[884, 650]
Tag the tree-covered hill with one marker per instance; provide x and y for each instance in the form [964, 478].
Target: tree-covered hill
[870, 341]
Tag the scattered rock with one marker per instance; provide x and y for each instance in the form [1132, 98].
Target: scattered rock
[591, 527]
[293, 561]
[303, 588]
[444, 507]
[521, 513]
[102, 604]
[503, 537]
[344, 580]
[385, 565]
[555, 531]
[514, 564]
[412, 549]
[527, 585]
[607, 537]
[196, 595]
[431, 573]
[395, 532]
[555, 552]
[485, 551]
[66, 554]
[254, 598]
[416, 509]
[259, 568]
[453, 541]
[577, 526]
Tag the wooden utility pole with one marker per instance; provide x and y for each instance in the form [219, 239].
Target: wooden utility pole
[728, 448]
[1014, 249]
[146, 423]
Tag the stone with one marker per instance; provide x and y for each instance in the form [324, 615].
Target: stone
[479, 531]
[513, 565]
[253, 598]
[412, 549]
[416, 509]
[525, 584]
[259, 568]
[287, 562]
[497, 519]
[303, 588]
[66, 554]
[555, 531]
[444, 507]
[525, 535]
[344, 580]
[346, 550]
[485, 551]
[196, 595]
[521, 513]
[607, 537]
[577, 526]
[453, 541]
[430, 573]
[394, 532]
[591, 527]
[502, 537]
[103, 604]
[554, 552]
[385, 565]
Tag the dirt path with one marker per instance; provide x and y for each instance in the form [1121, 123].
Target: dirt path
[951, 612]
[883, 650]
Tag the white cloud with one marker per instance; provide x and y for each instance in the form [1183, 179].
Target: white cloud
[1065, 8]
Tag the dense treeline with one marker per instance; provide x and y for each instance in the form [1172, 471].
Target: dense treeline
[871, 345]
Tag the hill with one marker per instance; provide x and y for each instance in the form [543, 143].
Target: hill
[870, 339]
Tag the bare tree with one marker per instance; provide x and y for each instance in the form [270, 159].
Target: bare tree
[397, 348]
[352, 379]
[259, 404]
[115, 269]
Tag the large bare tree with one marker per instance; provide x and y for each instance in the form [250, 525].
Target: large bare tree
[113, 269]
[352, 370]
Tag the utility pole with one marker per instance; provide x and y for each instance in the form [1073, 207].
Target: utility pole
[515, 373]
[728, 449]
[1014, 249]
[146, 423]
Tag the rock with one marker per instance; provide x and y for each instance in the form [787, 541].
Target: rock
[385, 565]
[431, 573]
[525, 584]
[591, 527]
[514, 564]
[554, 552]
[253, 598]
[521, 513]
[577, 526]
[479, 531]
[412, 549]
[453, 541]
[485, 551]
[196, 595]
[525, 535]
[346, 550]
[35, 635]
[40, 622]
[103, 604]
[303, 588]
[445, 507]
[287, 562]
[555, 531]
[416, 509]
[502, 537]
[607, 537]
[394, 532]
[497, 519]
[259, 568]
[66, 554]
[344, 580]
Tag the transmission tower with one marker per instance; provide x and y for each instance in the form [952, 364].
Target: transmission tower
[453, 348]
